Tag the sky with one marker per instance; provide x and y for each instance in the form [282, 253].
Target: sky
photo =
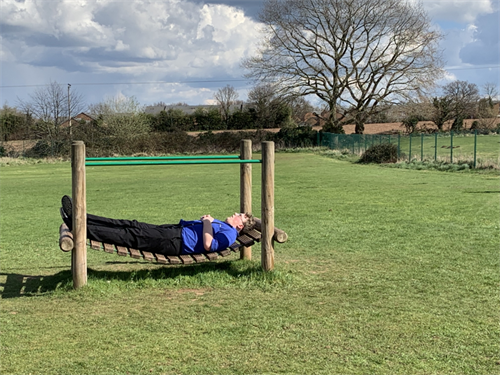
[185, 50]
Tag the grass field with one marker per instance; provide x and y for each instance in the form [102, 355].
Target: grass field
[386, 271]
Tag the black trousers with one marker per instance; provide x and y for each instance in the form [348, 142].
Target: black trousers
[161, 239]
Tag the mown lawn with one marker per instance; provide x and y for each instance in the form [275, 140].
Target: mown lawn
[387, 271]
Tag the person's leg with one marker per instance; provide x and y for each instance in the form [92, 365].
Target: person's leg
[165, 239]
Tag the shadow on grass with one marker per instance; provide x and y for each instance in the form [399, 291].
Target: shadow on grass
[19, 285]
[23, 285]
[484, 192]
[233, 269]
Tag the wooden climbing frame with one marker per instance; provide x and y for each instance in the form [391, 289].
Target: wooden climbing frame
[268, 233]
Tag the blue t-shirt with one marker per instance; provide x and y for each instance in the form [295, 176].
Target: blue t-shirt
[192, 236]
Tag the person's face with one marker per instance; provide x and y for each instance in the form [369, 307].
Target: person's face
[237, 220]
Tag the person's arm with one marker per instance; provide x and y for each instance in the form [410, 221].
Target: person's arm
[208, 233]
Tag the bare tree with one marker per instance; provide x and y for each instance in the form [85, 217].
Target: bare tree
[357, 54]
[49, 104]
[226, 97]
[270, 110]
[463, 98]
[490, 90]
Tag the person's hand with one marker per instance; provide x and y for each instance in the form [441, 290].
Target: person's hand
[207, 217]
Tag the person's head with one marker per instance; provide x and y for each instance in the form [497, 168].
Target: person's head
[241, 221]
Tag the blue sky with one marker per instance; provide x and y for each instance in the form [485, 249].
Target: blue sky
[183, 51]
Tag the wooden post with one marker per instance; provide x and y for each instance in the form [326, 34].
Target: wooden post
[79, 254]
[246, 188]
[267, 206]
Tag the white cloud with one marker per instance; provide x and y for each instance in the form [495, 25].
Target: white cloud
[141, 37]
[458, 10]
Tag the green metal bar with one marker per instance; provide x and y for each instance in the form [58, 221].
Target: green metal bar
[451, 147]
[435, 146]
[475, 146]
[137, 158]
[171, 162]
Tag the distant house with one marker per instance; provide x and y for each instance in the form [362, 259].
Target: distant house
[81, 118]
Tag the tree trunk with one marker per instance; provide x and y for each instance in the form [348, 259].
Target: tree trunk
[360, 127]
[332, 124]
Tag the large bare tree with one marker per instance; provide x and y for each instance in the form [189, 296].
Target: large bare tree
[354, 54]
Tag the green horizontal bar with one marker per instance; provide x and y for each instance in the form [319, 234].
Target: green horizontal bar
[173, 162]
[126, 158]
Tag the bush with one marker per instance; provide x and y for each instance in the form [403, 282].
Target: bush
[43, 149]
[303, 136]
[382, 153]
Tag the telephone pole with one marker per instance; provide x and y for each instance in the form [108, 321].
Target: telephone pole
[69, 113]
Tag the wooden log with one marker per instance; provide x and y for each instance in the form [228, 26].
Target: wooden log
[279, 235]
[160, 258]
[246, 188]
[122, 251]
[148, 256]
[254, 234]
[136, 254]
[173, 259]
[186, 259]
[79, 254]
[245, 240]
[109, 248]
[267, 206]
[95, 245]
[199, 258]
[65, 238]
[225, 253]
[212, 256]
[235, 246]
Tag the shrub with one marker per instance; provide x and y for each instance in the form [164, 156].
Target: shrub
[382, 153]
[303, 136]
[43, 149]
[410, 122]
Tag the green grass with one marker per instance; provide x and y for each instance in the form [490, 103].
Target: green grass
[386, 271]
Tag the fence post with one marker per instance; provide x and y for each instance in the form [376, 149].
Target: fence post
[475, 146]
[435, 146]
[409, 155]
[421, 146]
[399, 145]
[246, 188]
[451, 147]
[79, 252]
[267, 206]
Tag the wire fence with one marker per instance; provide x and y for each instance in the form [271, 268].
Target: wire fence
[464, 147]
